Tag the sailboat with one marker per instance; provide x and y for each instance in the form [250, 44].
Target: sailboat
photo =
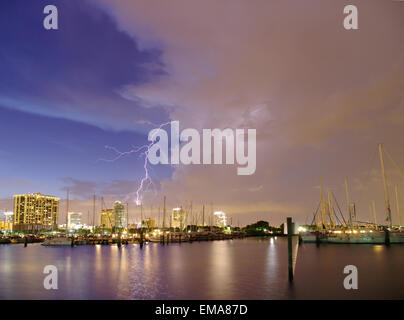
[348, 233]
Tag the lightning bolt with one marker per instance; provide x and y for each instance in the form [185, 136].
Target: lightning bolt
[146, 181]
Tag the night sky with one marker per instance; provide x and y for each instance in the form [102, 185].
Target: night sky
[320, 97]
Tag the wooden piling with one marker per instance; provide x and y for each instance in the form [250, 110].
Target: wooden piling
[387, 237]
[290, 256]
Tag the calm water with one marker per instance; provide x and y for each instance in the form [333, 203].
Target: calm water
[237, 269]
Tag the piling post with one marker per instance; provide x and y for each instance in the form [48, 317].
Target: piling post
[290, 256]
[25, 241]
[317, 238]
[386, 236]
[119, 240]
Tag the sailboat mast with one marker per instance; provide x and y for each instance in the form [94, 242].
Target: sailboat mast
[164, 213]
[322, 202]
[348, 201]
[398, 206]
[67, 209]
[192, 216]
[158, 219]
[203, 215]
[93, 212]
[331, 209]
[386, 191]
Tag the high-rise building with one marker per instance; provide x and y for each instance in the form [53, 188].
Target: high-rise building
[74, 219]
[149, 223]
[178, 218]
[120, 216]
[107, 218]
[34, 212]
[6, 221]
[220, 219]
[113, 218]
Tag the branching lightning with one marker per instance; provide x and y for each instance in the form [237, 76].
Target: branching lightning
[146, 181]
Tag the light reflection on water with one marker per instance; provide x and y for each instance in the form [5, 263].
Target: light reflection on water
[251, 268]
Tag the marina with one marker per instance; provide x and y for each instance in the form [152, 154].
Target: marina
[329, 225]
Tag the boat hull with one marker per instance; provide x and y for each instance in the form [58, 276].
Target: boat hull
[56, 242]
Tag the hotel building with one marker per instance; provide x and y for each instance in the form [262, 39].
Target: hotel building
[35, 212]
[113, 218]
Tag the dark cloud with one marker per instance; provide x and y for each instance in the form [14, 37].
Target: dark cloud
[76, 72]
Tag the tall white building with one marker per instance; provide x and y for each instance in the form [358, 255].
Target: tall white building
[120, 214]
[220, 219]
[74, 219]
[178, 218]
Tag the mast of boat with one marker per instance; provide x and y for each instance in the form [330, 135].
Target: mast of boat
[374, 212]
[211, 217]
[192, 216]
[331, 209]
[67, 210]
[322, 222]
[93, 213]
[164, 212]
[203, 215]
[158, 219]
[398, 206]
[186, 216]
[386, 191]
[348, 202]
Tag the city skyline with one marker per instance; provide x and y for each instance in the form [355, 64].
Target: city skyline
[65, 96]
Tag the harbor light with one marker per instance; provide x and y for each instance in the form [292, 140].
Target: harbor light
[301, 229]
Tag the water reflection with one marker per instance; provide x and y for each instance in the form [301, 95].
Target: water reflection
[238, 269]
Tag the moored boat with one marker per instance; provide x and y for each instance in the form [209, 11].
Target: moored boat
[57, 241]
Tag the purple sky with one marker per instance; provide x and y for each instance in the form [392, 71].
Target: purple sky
[320, 97]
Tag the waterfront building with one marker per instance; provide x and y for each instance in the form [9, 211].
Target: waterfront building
[74, 220]
[6, 226]
[8, 216]
[113, 218]
[120, 215]
[178, 218]
[149, 223]
[220, 219]
[34, 212]
[6, 221]
[107, 218]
